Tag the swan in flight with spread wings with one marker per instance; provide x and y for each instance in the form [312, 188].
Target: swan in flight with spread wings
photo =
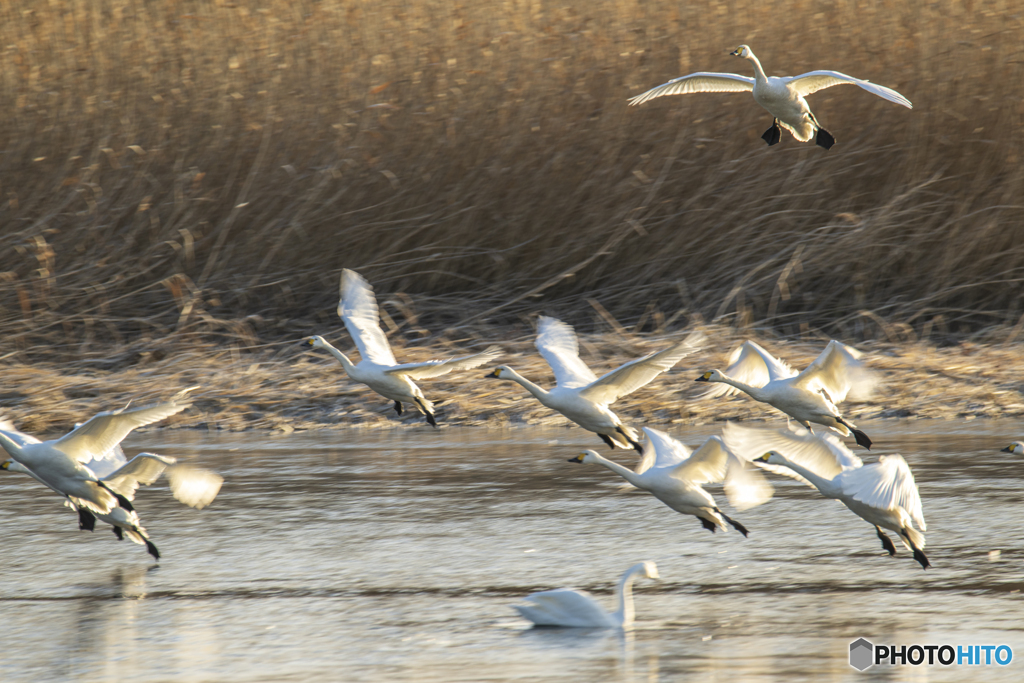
[576, 608]
[883, 493]
[782, 96]
[808, 396]
[377, 367]
[674, 475]
[64, 466]
[579, 394]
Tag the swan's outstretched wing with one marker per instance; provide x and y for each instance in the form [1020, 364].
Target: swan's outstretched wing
[702, 81]
[105, 430]
[823, 454]
[839, 372]
[813, 81]
[751, 364]
[661, 450]
[707, 465]
[745, 487]
[885, 484]
[557, 343]
[193, 486]
[18, 437]
[435, 368]
[564, 607]
[358, 309]
[628, 378]
[142, 470]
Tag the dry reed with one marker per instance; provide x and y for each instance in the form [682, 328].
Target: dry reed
[209, 167]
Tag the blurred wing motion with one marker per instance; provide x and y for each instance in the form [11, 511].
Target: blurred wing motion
[557, 343]
[103, 431]
[436, 368]
[194, 486]
[750, 364]
[839, 373]
[885, 485]
[640, 372]
[824, 454]
[358, 310]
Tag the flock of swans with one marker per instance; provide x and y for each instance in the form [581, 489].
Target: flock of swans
[88, 469]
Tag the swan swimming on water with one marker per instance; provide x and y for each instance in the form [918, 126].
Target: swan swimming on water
[782, 96]
[808, 396]
[580, 395]
[377, 367]
[576, 608]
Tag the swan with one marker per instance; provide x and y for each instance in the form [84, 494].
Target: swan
[193, 486]
[377, 368]
[577, 608]
[674, 476]
[1015, 447]
[883, 493]
[808, 396]
[579, 394]
[782, 96]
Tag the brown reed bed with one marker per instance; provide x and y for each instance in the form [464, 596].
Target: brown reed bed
[208, 167]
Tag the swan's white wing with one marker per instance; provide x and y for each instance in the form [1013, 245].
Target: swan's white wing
[702, 81]
[358, 309]
[564, 607]
[143, 469]
[436, 368]
[661, 450]
[193, 486]
[839, 372]
[707, 465]
[107, 429]
[628, 378]
[557, 343]
[823, 454]
[885, 484]
[18, 437]
[776, 367]
[813, 81]
[745, 487]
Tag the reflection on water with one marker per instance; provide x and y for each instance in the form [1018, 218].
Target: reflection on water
[363, 556]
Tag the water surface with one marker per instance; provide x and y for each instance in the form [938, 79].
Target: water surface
[394, 556]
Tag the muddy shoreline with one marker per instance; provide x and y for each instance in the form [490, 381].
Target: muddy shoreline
[280, 387]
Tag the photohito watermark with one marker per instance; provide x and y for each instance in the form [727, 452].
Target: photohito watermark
[865, 654]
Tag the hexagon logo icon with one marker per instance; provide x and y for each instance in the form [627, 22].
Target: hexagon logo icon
[862, 654]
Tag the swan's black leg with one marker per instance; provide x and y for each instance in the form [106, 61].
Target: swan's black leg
[735, 525]
[398, 407]
[121, 500]
[118, 533]
[708, 524]
[86, 520]
[824, 139]
[426, 413]
[152, 549]
[861, 437]
[608, 440]
[918, 554]
[773, 135]
[635, 444]
[886, 541]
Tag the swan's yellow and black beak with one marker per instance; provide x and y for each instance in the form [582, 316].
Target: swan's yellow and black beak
[763, 458]
[306, 342]
[578, 458]
[735, 53]
[496, 373]
[703, 378]
[1008, 449]
[5, 464]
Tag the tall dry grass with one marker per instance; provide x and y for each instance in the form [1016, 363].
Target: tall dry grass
[183, 166]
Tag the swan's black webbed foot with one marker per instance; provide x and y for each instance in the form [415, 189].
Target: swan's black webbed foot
[152, 549]
[608, 440]
[118, 533]
[708, 524]
[398, 407]
[635, 444]
[121, 500]
[886, 541]
[861, 437]
[86, 520]
[735, 525]
[922, 558]
[773, 135]
[824, 139]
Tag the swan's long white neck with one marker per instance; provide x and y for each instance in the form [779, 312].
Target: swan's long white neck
[624, 614]
[755, 392]
[624, 472]
[758, 71]
[827, 487]
[342, 358]
[537, 391]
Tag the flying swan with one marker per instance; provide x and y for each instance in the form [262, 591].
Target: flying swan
[377, 367]
[577, 608]
[808, 396]
[580, 395]
[883, 493]
[782, 96]
[674, 476]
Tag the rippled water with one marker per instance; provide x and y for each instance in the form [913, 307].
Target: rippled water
[369, 556]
